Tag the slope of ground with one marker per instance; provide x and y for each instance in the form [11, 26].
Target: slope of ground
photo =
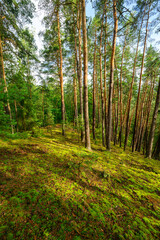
[53, 188]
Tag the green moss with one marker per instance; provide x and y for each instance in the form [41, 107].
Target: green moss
[53, 188]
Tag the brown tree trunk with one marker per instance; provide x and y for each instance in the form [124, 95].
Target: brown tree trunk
[99, 112]
[156, 152]
[28, 79]
[85, 75]
[15, 105]
[121, 97]
[108, 139]
[113, 115]
[117, 112]
[94, 88]
[131, 88]
[105, 66]
[139, 90]
[153, 125]
[61, 75]
[3, 81]
[101, 84]
[43, 104]
[148, 115]
[76, 75]
[75, 95]
[79, 23]
[141, 118]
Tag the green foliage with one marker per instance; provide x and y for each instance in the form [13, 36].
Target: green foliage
[17, 135]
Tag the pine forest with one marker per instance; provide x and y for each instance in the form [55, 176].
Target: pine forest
[79, 119]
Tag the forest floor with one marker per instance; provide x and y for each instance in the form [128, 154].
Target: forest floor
[51, 187]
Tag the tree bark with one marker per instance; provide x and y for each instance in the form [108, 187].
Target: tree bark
[94, 87]
[101, 84]
[105, 66]
[108, 140]
[139, 90]
[79, 23]
[61, 74]
[75, 95]
[113, 115]
[99, 112]
[16, 111]
[148, 115]
[141, 118]
[117, 113]
[28, 78]
[153, 125]
[156, 152]
[121, 97]
[131, 88]
[85, 75]
[43, 104]
[3, 81]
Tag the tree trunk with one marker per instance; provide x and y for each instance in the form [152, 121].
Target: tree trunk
[148, 115]
[43, 104]
[99, 112]
[75, 95]
[101, 84]
[117, 113]
[61, 75]
[3, 81]
[85, 75]
[121, 106]
[153, 125]
[94, 88]
[15, 105]
[131, 88]
[139, 90]
[76, 75]
[156, 152]
[28, 79]
[141, 117]
[113, 115]
[108, 140]
[105, 65]
[79, 22]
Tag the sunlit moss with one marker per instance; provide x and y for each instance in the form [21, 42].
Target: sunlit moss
[53, 187]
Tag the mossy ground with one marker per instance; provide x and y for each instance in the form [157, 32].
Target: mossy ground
[53, 188]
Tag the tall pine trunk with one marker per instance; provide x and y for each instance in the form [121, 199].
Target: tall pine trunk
[101, 83]
[131, 88]
[153, 125]
[61, 75]
[121, 95]
[85, 75]
[3, 82]
[16, 111]
[105, 66]
[156, 152]
[79, 23]
[94, 88]
[141, 118]
[139, 90]
[148, 115]
[108, 140]
[117, 112]
[75, 95]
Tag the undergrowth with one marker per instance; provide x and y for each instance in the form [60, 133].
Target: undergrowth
[51, 187]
